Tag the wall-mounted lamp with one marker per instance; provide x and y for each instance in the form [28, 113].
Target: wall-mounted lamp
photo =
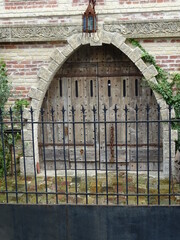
[89, 18]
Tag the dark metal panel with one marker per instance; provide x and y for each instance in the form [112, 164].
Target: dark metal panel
[27, 222]
[68, 222]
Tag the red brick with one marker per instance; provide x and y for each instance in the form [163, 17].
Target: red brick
[20, 88]
[167, 61]
[148, 40]
[161, 57]
[174, 57]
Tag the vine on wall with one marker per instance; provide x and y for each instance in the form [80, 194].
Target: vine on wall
[165, 85]
[6, 139]
[4, 85]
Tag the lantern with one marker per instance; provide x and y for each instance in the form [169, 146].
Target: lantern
[89, 18]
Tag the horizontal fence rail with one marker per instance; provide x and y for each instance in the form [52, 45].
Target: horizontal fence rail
[95, 156]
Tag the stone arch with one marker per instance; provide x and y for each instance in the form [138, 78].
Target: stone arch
[57, 59]
[59, 56]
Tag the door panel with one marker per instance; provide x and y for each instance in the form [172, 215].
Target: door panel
[113, 94]
[56, 98]
[83, 93]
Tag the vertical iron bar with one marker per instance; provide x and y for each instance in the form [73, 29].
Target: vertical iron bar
[170, 154]
[147, 111]
[116, 140]
[64, 150]
[33, 148]
[14, 154]
[105, 129]
[74, 141]
[44, 153]
[84, 131]
[4, 156]
[95, 152]
[126, 134]
[23, 151]
[54, 151]
[137, 164]
[159, 154]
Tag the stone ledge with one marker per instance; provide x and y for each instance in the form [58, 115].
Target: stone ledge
[61, 32]
[38, 33]
[144, 29]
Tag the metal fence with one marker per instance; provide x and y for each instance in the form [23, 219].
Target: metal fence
[121, 180]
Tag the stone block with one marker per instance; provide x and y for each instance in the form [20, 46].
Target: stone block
[27, 125]
[153, 80]
[27, 164]
[95, 40]
[164, 106]
[35, 115]
[165, 127]
[136, 54]
[158, 96]
[165, 169]
[173, 135]
[44, 73]
[35, 93]
[26, 113]
[53, 66]
[75, 41]
[58, 56]
[85, 39]
[28, 148]
[106, 37]
[35, 104]
[141, 65]
[118, 40]
[173, 114]
[150, 72]
[67, 50]
[42, 85]
[166, 137]
[164, 114]
[125, 49]
[27, 135]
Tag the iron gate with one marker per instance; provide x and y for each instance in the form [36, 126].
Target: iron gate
[77, 204]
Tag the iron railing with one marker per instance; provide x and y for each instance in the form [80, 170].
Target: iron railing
[100, 176]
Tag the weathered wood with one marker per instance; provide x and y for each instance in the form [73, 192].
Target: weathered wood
[84, 81]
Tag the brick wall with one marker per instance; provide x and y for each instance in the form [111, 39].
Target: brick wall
[24, 61]
[121, 16]
[85, 2]
[44, 4]
[165, 51]
[145, 1]
[25, 4]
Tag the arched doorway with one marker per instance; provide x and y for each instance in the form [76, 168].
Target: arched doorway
[99, 77]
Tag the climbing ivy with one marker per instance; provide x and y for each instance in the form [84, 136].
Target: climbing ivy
[6, 139]
[4, 85]
[164, 86]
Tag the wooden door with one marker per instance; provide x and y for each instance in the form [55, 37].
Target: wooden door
[100, 76]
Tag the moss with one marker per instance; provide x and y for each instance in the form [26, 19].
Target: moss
[132, 189]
